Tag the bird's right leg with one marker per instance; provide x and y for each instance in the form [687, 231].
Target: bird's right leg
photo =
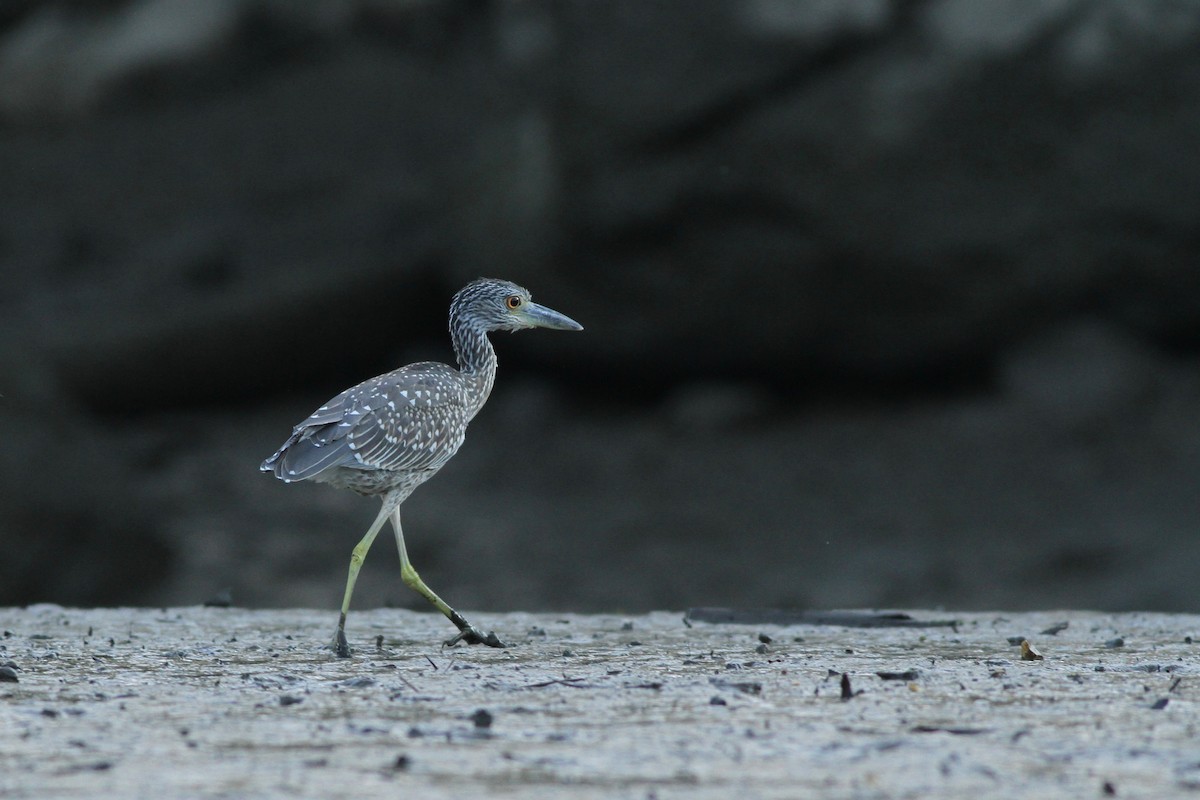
[340, 646]
[466, 631]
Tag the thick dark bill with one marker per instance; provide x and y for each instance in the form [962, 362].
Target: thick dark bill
[542, 317]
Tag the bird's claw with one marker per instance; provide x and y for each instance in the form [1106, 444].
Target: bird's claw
[472, 635]
[341, 647]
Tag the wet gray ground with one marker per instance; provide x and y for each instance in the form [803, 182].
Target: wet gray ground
[209, 702]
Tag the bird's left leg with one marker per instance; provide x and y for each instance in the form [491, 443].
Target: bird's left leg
[359, 554]
[466, 631]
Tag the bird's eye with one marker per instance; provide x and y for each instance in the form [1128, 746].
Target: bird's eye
[513, 302]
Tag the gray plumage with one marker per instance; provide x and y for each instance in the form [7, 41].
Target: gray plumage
[406, 424]
[382, 432]
[388, 435]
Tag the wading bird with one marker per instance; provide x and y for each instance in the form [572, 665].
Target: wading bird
[387, 436]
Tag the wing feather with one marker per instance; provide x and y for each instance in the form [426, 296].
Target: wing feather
[413, 418]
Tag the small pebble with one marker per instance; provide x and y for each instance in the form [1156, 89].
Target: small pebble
[482, 719]
[8, 675]
[1029, 652]
[222, 599]
[1115, 643]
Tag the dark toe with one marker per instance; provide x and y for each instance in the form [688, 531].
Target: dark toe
[473, 636]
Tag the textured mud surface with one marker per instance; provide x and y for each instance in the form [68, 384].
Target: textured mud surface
[200, 702]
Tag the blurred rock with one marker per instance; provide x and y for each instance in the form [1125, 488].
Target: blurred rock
[210, 207]
[717, 406]
[896, 195]
[1083, 375]
[76, 528]
[887, 189]
[62, 63]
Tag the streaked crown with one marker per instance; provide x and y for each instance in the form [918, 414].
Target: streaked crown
[490, 304]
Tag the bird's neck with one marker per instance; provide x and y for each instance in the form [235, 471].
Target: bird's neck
[476, 357]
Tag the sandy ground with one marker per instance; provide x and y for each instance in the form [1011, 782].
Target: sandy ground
[209, 702]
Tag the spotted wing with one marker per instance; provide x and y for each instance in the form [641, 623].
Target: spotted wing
[411, 419]
[312, 448]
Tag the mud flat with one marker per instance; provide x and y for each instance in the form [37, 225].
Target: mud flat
[225, 702]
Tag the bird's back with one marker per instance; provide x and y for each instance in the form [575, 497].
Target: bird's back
[398, 427]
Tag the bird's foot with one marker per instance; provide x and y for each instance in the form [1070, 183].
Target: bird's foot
[341, 647]
[472, 635]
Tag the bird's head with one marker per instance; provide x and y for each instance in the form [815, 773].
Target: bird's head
[497, 305]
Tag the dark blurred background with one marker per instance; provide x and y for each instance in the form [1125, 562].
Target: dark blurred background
[887, 302]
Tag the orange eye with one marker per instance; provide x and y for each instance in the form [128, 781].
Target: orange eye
[513, 302]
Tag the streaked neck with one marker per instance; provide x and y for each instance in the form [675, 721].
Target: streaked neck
[475, 354]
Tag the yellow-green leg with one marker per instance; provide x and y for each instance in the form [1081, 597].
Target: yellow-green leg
[357, 556]
[466, 631]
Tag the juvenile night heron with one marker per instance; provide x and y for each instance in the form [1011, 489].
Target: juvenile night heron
[387, 436]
